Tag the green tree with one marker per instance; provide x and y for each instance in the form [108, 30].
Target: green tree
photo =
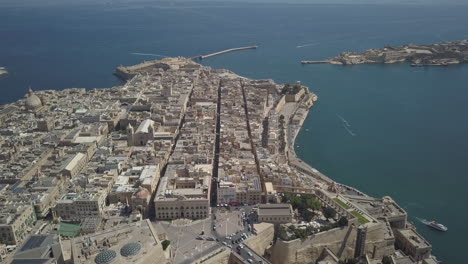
[165, 244]
[307, 215]
[329, 212]
[313, 203]
[343, 221]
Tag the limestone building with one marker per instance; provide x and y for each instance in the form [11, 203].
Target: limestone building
[15, 220]
[274, 213]
[40, 249]
[184, 192]
[79, 206]
[412, 243]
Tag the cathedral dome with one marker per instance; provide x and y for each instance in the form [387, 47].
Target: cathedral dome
[33, 101]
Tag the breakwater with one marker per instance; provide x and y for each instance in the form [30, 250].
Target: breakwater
[315, 61]
[201, 57]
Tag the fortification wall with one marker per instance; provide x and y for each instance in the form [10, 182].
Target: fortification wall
[340, 241]
[263, 239]
[310, 249]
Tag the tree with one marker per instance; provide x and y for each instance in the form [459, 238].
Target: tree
[286, 88]
[165, 244]
[307, 215]
[329, 212]
[343, 221]
[313, 203]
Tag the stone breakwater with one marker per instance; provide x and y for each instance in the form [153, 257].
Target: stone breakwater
[442, 54]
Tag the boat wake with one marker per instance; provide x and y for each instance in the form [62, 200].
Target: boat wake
[306, 45]
[148, 54]
[349, 131]
[424, 221]
[343, 120]
[346, 125]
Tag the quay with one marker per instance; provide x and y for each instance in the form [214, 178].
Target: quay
[201, 57]
[315, 61]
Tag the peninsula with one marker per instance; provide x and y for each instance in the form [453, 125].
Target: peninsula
[443, 54]
[182, 164]
[3, 71]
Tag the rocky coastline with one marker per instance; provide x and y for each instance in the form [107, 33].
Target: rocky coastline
[441, 54]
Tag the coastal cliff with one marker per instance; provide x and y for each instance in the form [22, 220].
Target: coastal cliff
[442, 54]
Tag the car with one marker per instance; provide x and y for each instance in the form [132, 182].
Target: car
[238, 252]
[199, 238]
[249, 253]
[250, 260]
[214, 228]
[210, 239]
[228, 237]
[202, 233]
[229, 246]
[224, 243]
[217, 240]
[241, 246]
[232, 242]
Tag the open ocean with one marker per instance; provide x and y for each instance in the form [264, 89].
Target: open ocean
[409, 129]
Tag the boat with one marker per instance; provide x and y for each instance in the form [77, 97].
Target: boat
[437, 226]
[433, 224]
[2, 68]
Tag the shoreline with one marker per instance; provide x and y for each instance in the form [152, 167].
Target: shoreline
[295, 161]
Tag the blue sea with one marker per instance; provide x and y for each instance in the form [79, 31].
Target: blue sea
[408, 129]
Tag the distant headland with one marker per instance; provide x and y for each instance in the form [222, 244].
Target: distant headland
[3, 71]
[442, 54]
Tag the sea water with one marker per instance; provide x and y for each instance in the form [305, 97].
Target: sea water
[385, 129]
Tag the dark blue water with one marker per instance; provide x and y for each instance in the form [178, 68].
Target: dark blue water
[409, 124]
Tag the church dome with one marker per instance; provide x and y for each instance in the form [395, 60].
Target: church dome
[33, 101]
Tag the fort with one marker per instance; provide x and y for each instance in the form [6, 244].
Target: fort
[442, 54]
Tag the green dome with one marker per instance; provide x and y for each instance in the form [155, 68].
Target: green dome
[106, 256]
[130, 249]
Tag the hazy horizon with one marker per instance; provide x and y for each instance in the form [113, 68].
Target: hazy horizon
[35, 3]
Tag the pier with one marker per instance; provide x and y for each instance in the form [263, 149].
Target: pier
[201, 57]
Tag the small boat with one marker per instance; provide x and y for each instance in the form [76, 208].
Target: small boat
[437, 226]
[2, 68]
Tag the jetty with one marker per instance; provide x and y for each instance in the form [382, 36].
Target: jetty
[201, 57]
